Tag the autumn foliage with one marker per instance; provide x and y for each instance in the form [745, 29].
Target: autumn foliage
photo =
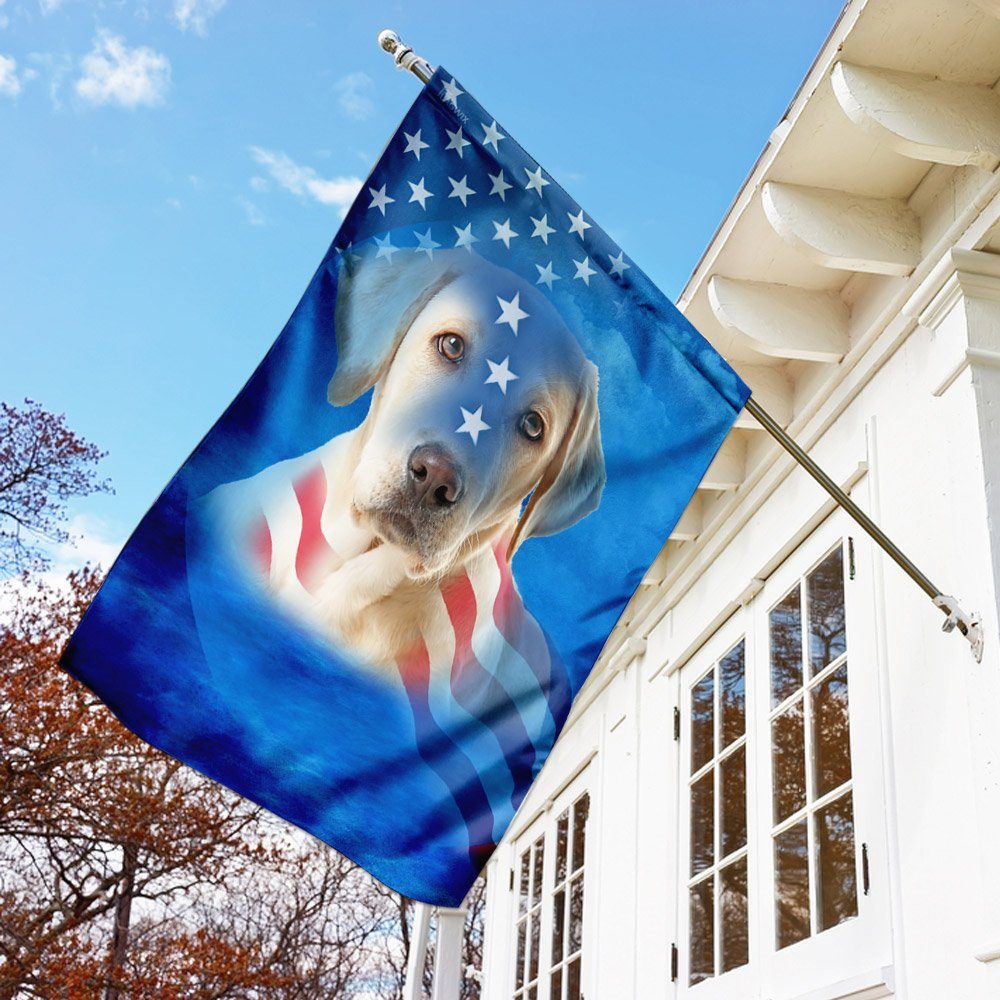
[122, 872]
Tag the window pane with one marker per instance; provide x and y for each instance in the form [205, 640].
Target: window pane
[733, 778]
[555, 993]
[786, 647]
[702, 823]
[573, 981]
[702, 933]
[838, 892]
[562, 835]
[536, 878]
[533, 993]
[789, 758]
[732, 695]
[831, 733]
[702, 722]
[521, 931]
[558, 922]
[827, 635]
[576, 915]
[533, 952]
[522, 905]
[791, 885]
[734, 923]
[581, 809]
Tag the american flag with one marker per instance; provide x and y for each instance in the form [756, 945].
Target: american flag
[415, 780]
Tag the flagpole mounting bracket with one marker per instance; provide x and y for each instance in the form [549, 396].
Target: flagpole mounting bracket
[404, 56]
[968, 624]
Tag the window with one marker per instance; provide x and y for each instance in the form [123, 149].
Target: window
[550, 883]
[717, 890]
[567, 901]
[529, 920]
[812, 803]
[781, 890]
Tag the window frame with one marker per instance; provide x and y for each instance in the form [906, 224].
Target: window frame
[863, 942]
[546, 826]
[740, 979]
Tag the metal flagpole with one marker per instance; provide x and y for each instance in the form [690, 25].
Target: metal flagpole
[968, 624]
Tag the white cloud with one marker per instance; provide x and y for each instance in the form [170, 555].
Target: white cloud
[259, 184]
[10, 82]
[354, 95]
[57, 68]
[48, 6]
[254, 215]
[91, 541]
[195, 14]
[337, 191]
[116, 74]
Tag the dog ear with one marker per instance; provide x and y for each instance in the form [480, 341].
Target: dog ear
[571, 485]
[377, 301]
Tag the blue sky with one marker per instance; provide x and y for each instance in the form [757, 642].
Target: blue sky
[171, 172]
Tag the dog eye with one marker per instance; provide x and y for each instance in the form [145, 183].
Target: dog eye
[532, 426]
[451, 346]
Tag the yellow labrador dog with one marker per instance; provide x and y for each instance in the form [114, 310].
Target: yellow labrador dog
[398, 534]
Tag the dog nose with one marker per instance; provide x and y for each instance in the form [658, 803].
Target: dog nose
[436, 479]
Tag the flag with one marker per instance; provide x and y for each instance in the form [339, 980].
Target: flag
[368, 598]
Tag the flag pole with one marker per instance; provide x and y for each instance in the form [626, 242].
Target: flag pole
[968, 624]
[955, 617]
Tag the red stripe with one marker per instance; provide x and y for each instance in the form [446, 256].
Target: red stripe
[460, 600]
[260, 545]
[314, 552]
[415, 667]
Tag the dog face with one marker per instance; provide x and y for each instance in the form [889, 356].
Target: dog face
[427, 335]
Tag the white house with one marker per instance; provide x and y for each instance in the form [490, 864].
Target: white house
[782, 779]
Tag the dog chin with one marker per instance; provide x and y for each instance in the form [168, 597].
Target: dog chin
[395, 528]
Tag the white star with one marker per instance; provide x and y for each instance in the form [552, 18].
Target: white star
[493, 135]
[452, 92]
[618, 265]
[584, 270]
[380, 199]
[500, 186]
[426, 244]
[420, 193]
[535, 180]
[385, 248]
[457, 141]
[472, 424]
[500, 374]
[542, 228]
[504, 232]
[511, 312]
[576, 223]
[414, 143]
[546, 275]
[460, 189]
[464, 237]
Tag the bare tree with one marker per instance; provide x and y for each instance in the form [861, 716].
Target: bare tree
[43, 465]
